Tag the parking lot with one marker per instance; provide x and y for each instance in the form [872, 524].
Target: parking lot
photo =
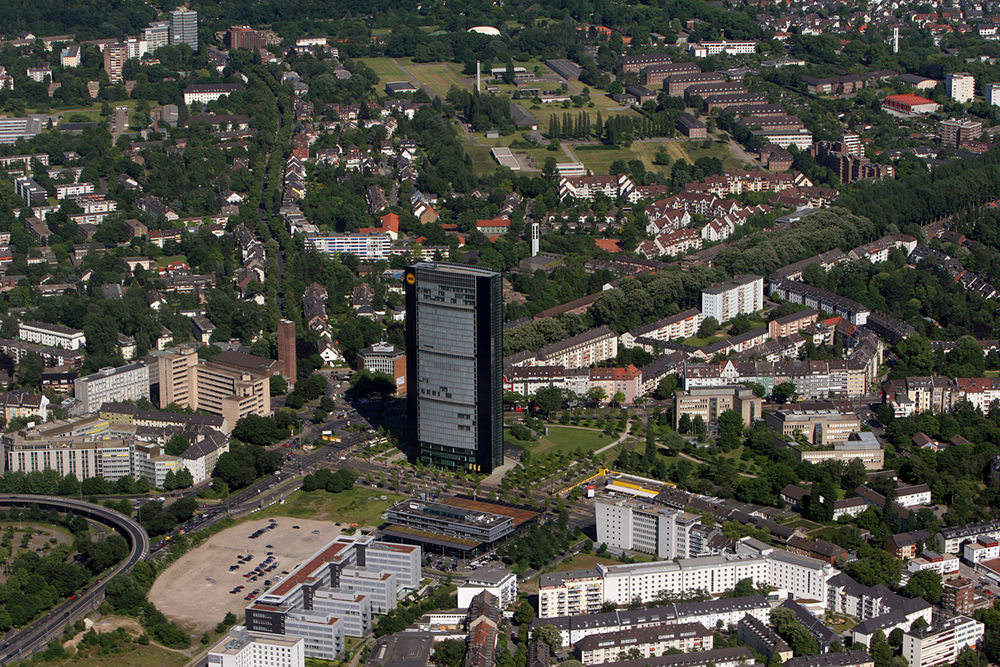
[198, 590]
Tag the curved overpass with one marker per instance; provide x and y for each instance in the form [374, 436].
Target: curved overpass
[36, 636]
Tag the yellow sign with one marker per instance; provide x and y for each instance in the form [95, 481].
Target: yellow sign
[410, 278]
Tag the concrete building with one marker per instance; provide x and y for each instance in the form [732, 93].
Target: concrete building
[499, 582]
[575, 627]
[991, 93]
[633, 525]
[257, 649]
[115, 56]
[112, 385]
[51, 335]
[762, 638]
[184, 29]
[70, 56]
[156, 35]
[570, 593]
[710, 402]
[650, 642]
[386, 358]
[954, 132]
[581, 351]
[366, 247]
[739, 296]
[454, 354]
[212, 387]
[983, 549]
[209, 92]
[682, 325]
[961, 87]
[821, 423]
[958, 595]
[328, 596]
[942, 642]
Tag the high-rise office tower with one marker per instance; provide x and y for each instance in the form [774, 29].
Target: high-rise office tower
[184, 28]
[454, 365]
[286, 349]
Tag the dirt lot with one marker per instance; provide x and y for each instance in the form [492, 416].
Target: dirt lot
[194, 591]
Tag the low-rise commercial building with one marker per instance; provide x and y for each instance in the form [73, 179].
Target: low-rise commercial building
[821, 423]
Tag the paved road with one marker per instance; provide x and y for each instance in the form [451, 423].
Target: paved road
[34, 637]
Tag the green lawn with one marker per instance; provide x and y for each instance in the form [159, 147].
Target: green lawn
[353, 506]
[439, 77]
[562, 440]
[702, 342]
[93, 111]
[163, 261]
[483, 163]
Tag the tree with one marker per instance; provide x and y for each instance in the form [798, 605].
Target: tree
[783, 392]
[925, 584]
[684, 423]
[450, 652]
[548, 399]
[880, 650]
[524, 614]
[744, 588]
[597, 395]
[177, 445]
[549, 634]
[698, 426]
[708, 327]
[278, 385]
[854, 475]
[618, 398]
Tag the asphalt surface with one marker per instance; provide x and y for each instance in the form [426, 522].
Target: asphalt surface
[19, 645]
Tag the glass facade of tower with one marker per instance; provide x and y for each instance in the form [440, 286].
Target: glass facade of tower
[455, 365]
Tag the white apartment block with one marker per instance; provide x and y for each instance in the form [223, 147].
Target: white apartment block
[741, 295]
[941, 643]
[257, 649]
[943, 564]
[802, 576]
[570, 593]
[952, 538]
[110, 458]
[588, 187]
[983, 549]
[366, 247]
[112, 385]
[908, 496]
[501, 583]
[682, 325]
[580, 351]
[961, 87]
[992, 93]
[73, 190]
[51, 335]
[633, 525]
[705, 49]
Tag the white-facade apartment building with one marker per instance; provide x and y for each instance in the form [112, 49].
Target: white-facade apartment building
[584, 591]
[501, 583]
[257, 649]
[983, 549]
[112, 385]
[739, 296]
[366, 247]
[51, 335]
[630, 524]
[961, 86]
[941, 643]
